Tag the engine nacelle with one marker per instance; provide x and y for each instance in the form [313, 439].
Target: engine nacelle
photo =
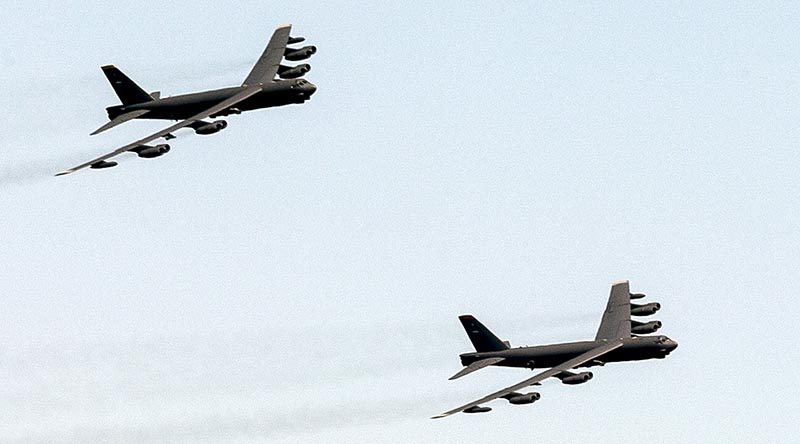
[645, 309]
[99, 165]
[293, 72]
[645, 327]
[478, 409]
[211, 127]
[576, 379]
[293, 40]
[149, 152]
[528, 398]
[303, 53]
[637, 295]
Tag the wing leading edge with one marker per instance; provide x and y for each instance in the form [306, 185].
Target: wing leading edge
[227, 103]
[574, 362]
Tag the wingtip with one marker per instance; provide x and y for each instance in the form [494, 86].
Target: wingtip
[439, 416]
[64, 173]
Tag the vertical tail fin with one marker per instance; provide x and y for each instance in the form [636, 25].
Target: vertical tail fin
[128, 92]
[483, 339]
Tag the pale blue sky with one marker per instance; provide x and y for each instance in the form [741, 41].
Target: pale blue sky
[297, 277]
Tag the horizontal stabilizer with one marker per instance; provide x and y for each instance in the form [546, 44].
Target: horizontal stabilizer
[475, 366]
[122, 118]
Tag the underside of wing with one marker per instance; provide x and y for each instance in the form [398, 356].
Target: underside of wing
[574, 362]
[225, 104]
[266, 67]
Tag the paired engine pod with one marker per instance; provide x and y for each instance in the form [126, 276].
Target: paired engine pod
[645, 309]
[210, 128]
[478, 409]
[149, 152]
[303, 53]
[102, 164]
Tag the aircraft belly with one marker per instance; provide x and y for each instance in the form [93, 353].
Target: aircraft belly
[541, 360]
[264, 100]
[547, 355]
[183, 107]
[177, 111]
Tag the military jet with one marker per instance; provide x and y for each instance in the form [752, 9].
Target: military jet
[259, 90]
[617, 340]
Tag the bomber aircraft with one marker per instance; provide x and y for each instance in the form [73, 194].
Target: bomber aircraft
[260, 90]
[617, 340]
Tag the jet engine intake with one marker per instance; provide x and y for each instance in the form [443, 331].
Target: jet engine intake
[303, 53]
[645, 309]
[211, 127]
[578, 378]
[149, 152]
[293, 72]
[645, 327]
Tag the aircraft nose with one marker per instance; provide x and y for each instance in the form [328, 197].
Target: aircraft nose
[672, 345]
[311, 88]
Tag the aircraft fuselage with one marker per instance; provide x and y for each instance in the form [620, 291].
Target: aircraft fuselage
[544, 356]
[185, 106]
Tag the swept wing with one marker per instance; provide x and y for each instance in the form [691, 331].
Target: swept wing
[574, 362]
[267, 65]
[227, 103]
[616, 323]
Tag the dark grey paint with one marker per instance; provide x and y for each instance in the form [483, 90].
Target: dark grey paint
[614, 342]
